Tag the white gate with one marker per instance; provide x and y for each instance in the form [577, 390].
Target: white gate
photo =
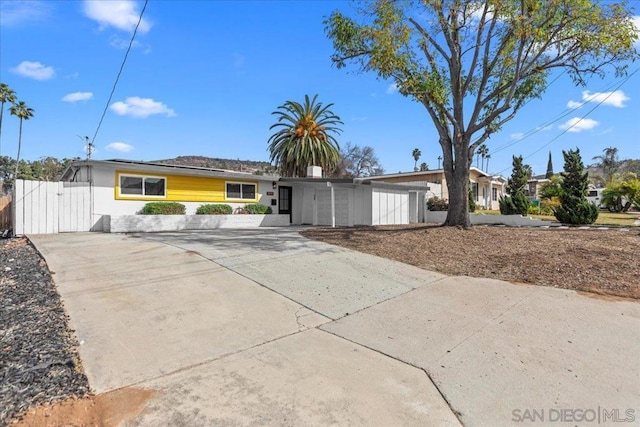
[42, 207]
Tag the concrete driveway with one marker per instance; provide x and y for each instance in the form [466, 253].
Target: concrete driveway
[266, 327]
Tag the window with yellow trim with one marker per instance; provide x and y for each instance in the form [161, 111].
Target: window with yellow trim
[148, 186]
[240, 191]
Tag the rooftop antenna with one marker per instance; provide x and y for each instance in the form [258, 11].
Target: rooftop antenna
[89, 147]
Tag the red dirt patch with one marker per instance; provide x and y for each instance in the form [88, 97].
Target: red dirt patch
[104, 410]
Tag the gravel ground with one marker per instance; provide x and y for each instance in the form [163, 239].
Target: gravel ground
[39, 361]
[605, 262]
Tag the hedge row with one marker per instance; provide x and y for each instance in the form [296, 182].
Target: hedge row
[174, 208]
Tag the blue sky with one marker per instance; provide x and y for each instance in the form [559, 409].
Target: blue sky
[204, 76]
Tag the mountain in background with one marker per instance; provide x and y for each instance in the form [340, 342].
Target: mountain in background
[236, 165]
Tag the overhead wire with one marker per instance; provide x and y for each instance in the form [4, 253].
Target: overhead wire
[580, 119]
[115, 83]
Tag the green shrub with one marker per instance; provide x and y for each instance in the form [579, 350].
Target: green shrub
[215, 209]
[437, 204]
[518, 204]
[257, 209]
[574, 207]
[472, 202]
[164, 208]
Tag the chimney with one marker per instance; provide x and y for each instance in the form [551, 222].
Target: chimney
[314, 172]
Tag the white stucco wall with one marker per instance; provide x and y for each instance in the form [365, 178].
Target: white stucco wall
[105, 203]
[155, 223]
[439, 217]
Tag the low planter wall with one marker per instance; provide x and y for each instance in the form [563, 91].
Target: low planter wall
[439, 217]
[151, 223]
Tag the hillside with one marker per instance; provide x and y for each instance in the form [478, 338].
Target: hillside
[238, 165]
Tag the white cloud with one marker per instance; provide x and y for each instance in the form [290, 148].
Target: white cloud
[77, 96]
[576, 124]
[517, 136]
[34, 70]
[614, 99]
[574, 104]
[120, 147]
[19, 12]
[119, 14]
[393, 88]
[135, 106]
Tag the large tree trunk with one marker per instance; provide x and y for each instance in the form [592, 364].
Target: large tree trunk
[456, 169]
[458, 187]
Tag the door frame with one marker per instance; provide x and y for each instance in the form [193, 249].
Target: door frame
[289, 191]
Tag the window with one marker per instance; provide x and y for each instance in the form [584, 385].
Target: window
[150, 186]
[494, 194]
[474, 191]
[237, 190]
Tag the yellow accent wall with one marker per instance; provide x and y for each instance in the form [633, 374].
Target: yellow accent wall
[187, 188]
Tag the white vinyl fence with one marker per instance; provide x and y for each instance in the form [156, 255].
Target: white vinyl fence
[42, 207]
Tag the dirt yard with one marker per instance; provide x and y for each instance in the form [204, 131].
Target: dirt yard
[605, 262]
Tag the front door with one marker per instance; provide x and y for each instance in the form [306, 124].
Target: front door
[284, 201]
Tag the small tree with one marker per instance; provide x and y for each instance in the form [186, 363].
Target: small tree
[574, 207]
[358, 162]
[424, 167]
[516, 202]
[621, 192]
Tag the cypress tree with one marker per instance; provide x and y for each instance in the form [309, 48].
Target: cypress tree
[574, 207]
[516, 201]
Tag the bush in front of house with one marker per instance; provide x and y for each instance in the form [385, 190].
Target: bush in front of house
[437, 204]
[164, 208]
[257, 209]
[214, 209]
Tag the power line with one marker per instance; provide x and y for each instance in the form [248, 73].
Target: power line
[580, 119]
[541, 127]
[124, 60]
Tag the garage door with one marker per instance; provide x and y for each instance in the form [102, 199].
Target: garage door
[390, 207]
[323, 199]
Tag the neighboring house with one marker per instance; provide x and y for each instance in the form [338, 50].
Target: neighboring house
[534, 184]
[123, 187]
[486, 189]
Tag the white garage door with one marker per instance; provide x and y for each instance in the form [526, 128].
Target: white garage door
[323, 199]
[390, 207]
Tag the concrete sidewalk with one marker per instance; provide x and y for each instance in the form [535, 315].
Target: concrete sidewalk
[267, 327]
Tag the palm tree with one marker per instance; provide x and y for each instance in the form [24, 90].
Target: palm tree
[305, 137]
[608, 163]
[6, 95]
[483, 150]
[23, 112]
[416, 156]
[424, 167]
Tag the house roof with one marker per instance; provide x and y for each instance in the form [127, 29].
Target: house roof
[428, 173]
[165, 168]
[354, 181]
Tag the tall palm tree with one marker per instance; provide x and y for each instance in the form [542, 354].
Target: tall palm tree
[23, 112]
[608, 163]
[6, 95]
[305, 137]
[483, 150]
[416, 156]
